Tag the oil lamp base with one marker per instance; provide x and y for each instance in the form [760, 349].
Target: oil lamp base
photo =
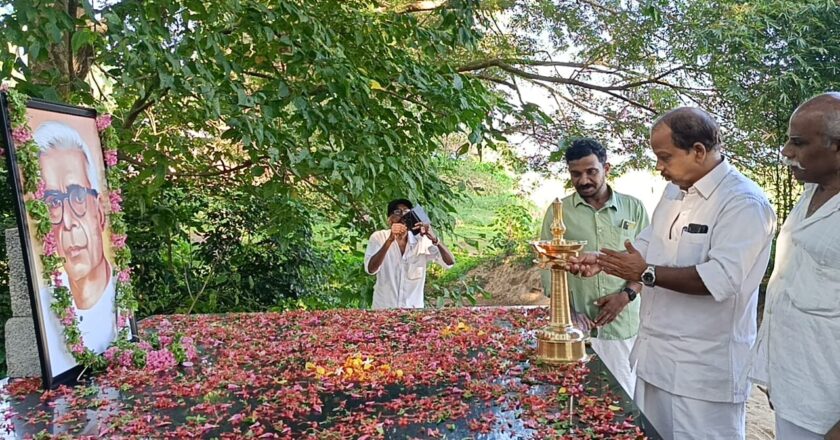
[561, 347]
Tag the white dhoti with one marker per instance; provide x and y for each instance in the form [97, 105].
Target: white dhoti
[788, 431]
[683, 418]
[615, 354]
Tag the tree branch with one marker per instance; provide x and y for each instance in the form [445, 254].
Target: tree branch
[483, 64]
[410, 99]
[555, 93]
[139, 106]
[507, 67]
[495, 80]
[258, 74]
[596, 5]
[223, 171]
[423, 6]
[609, 90]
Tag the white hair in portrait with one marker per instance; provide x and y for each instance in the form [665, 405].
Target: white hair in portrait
[54, 135]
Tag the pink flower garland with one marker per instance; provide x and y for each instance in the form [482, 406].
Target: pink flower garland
[103, 122]
[50, 244]
[69, 317]
[56, 278]
[115, 197]
[39, 192]
[111, 157]
[21, 135]
[118, 241]
[124, 275]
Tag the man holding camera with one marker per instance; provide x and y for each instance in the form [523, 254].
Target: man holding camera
[399, 256]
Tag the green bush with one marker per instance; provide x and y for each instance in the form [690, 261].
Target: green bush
[513, 227]
[222, 251]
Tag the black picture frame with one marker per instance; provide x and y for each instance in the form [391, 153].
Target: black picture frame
[50, 378]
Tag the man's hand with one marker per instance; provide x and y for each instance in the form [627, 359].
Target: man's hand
[398, 230]
[582, 322]
[585, 265]
[611, 305]
[625, 265]
[833, 433]
[426, 229]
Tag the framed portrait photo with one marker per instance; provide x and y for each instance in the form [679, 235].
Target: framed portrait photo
[70, 233]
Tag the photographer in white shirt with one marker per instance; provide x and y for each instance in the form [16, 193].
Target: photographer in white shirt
[398, 257]
[797, 355]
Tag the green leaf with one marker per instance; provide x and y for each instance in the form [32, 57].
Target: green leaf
[457, 83]
[81, 38]
[282, 89]
[35, 50]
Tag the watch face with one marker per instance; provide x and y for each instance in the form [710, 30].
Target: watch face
[648, 277]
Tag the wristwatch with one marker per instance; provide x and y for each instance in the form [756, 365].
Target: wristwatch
[649, 276]
[631, 294]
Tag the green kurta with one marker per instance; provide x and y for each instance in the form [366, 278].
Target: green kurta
[622, 218]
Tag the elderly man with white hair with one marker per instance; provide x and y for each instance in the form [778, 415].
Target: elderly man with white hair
[797, 354]
[74, 200]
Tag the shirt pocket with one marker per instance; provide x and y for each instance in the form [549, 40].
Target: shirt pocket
[415, 272]
[691, 249]
[819, 294]
[616, 236]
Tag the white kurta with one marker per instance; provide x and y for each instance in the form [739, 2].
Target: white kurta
[401, 277]
[97, 324]
[692, 345]
[798, 349]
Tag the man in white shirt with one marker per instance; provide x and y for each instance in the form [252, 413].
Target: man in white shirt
[398, 257]
[798, 348]
[701, 261]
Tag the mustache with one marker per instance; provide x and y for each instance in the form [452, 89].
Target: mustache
[791, 163]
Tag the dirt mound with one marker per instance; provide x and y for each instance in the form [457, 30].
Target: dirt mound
[510, 284]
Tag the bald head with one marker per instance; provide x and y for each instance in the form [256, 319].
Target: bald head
[812, 150]
[689, 126]
[827, 106]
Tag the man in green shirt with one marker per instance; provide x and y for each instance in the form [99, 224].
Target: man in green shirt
[604, 219]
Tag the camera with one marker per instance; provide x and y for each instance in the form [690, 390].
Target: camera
[413, 217]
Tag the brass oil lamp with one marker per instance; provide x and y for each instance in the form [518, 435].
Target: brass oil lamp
[560, 342]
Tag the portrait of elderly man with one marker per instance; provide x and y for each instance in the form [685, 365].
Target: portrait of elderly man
[797, 353]
[74, 197]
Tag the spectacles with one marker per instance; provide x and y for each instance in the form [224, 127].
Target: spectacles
[76, 195]
[400, 212]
